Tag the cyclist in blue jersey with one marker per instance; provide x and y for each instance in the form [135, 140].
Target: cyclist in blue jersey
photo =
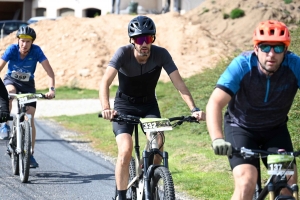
[138, 66]
[258, 88]
[22, 59]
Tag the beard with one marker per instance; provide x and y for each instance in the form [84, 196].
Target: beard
[144, 52]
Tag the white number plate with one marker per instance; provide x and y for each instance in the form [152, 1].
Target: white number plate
[26, 98]
[21, 76]
[280, 165]
[156, 124]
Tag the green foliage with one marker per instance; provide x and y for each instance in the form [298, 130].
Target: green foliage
[73, 93]
[205, 10]
[237, 13]
[288, 1]
[226, 16]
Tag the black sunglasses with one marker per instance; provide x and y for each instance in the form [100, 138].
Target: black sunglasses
[267, 48]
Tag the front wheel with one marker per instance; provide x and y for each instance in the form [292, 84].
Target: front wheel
[161, 184]
[24, 156]
[13, 154]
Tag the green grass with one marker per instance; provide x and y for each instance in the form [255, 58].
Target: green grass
[72, 93]
[195, 168]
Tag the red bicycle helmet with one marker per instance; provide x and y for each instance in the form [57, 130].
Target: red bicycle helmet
[271, 31]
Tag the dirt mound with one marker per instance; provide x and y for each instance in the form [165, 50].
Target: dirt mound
[79, 49]
[238, 32]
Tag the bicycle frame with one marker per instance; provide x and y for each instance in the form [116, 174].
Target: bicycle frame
[275, 183]
[148, 155]
[273, 186]
[150, 181]
[19, 147]
[21, 113]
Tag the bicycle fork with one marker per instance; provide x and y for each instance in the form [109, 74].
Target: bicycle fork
[153, 150]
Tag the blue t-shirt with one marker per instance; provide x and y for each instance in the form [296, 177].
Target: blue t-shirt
[259, 102]
[18, 66]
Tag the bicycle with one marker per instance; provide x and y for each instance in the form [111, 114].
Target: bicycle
[19, 145]
[148, 181]
[280, 164]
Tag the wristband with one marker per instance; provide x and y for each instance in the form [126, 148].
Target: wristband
[195, 110]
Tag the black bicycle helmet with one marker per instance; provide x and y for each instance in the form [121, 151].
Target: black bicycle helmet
[26, 30]
[141, 25]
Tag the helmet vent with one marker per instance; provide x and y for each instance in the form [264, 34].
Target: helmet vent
[282, 32]
[262, 32]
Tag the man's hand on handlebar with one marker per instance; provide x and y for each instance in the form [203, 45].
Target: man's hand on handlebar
[50, 95]
[199, 115]
[108, 114]
[221, 147]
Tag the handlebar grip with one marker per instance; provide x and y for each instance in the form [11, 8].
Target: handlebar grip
[176, 118]
[100, 115]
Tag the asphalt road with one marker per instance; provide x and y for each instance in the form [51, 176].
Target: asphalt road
[66, 171]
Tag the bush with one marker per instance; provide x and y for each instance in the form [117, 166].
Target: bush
[288, 1]
[225, 16]
[236, 13]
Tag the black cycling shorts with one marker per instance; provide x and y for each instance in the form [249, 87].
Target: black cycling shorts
[145, 110]
[21, 86]
[278, 137]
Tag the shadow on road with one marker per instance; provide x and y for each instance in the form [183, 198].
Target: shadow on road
[56, 177]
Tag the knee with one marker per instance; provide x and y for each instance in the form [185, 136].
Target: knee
[245, 179]
[124, 156]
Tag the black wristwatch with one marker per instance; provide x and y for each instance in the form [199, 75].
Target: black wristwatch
[195, 110]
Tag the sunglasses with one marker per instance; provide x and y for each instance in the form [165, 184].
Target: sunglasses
[141, 39]
[267, 48]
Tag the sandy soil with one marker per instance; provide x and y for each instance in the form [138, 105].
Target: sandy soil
[79, 49]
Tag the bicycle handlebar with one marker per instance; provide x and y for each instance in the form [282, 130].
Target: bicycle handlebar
[256, 153]
[36, 95]
[136, 120]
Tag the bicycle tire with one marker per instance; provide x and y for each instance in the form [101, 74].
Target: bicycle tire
[24, 156]
[161, 184]
[14, 156]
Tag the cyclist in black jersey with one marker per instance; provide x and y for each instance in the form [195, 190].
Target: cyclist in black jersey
[4, 103]
[138, 66]
[258, 88]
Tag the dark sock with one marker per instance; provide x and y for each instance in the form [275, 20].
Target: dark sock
[122, 194]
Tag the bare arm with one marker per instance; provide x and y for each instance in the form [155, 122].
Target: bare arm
[106, 81]
[46, 65]
[217, 101]
[185, 94]
[182, 89]
[2, 64]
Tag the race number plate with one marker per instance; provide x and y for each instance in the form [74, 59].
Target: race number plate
[26, 98]
[280, 165]
[156, 124]
[21, 76]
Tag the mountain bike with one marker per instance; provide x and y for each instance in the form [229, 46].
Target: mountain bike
[149, 181]
[19, 145]
[280, 165]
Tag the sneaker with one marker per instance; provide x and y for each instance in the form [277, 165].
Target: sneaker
[33, 163]
[4, 132]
